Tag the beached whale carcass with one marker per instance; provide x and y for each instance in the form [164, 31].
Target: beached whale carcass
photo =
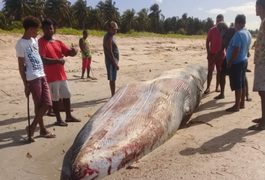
[138, 119]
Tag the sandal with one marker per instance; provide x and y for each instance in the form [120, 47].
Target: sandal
[248, 98]
[219, 97]
[62, 123]
[232, 109]
[257, 120]
[207, 91]
[49, 135]
[256, 128]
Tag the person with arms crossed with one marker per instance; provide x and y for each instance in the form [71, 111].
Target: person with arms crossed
[213, 44]
[33, 76]
[111, 52]
[259, 61]
[52, 52]
[237, 61]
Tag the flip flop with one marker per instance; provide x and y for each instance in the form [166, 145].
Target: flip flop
[219, 97]
[72, 120]
[49, 135]
[256, 120]
[51, 114]
[248, 98]
[256, 128]
[61, 123]
[207, 91]
[232, 109]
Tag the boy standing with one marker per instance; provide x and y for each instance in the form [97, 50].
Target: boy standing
[86, 54]
[33, 76]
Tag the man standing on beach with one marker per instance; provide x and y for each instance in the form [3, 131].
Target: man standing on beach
[259, 61]
[33, 76]
[111, 52]
[51, 52]
[237, 61]
[213, 44]
[227, 35]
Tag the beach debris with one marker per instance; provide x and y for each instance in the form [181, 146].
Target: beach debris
[29, 156]
[6, 93]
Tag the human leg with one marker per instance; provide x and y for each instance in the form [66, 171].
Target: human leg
[55, 96]
[261, 122]
[84, 66]
[112, 75]
[248, 98]
[66, 94]
[88, 67]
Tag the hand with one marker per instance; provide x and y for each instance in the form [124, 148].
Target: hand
[27, 91]
[229, 65]
[248, 55]
[117, 67]
[62, 61]
[209, 56]
[73, 51]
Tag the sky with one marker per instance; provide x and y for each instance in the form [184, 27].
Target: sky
[201, 9]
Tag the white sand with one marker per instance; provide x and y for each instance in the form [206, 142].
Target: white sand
[222, 149]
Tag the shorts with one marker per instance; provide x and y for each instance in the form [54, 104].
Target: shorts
[86, 63]
[218, 63]
[59, 89]
[259, 77]
[237, 75]
[40, 91]
[224, 67]
[112, 72]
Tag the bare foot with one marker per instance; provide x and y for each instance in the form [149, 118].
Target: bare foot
[30, 137]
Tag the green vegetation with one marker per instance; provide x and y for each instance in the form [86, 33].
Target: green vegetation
[80, 16]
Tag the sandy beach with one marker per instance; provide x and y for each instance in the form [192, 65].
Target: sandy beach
[216, 145]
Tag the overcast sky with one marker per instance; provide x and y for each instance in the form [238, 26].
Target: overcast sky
[201, 9]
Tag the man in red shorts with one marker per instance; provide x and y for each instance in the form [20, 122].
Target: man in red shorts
[33, 78]
[51, 52]
[213, 44]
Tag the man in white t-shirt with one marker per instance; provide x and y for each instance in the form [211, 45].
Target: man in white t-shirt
[33, 76]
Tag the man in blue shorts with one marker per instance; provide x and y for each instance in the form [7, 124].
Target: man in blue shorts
[111, 52]
[236, 57]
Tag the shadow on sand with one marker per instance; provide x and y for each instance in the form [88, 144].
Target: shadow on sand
[221, 143]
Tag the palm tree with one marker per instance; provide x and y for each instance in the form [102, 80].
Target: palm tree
[95, 20]
[80, 13]
[109, 10]
[16, 10]
[143, 20]
[37, 8]
[128, 20]
[3, 22]
[59, 10]
[155, 16]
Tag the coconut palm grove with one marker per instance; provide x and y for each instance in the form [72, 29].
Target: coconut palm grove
[80, 15]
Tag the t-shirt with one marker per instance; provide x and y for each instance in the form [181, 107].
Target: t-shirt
[228, 36]
[54, 49]
[86, 47]
[241, 39]
[115, 49]
[259, 57]
[29, 50]
[215, 39]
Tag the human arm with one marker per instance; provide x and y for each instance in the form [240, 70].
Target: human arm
[21, 68]
[217, 56]
[235, 53]
[110, 53]
[208, 49]
[50, 61]
[82, 47]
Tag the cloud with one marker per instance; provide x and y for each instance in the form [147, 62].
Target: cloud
[200, 9]
[247, 9]
[159, 1]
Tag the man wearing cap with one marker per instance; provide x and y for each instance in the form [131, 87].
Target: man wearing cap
[111, 52]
